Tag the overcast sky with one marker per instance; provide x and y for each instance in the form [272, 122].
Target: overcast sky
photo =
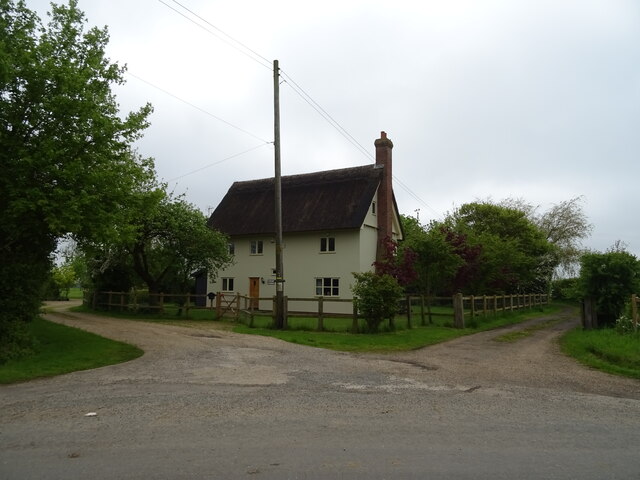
[538, 100]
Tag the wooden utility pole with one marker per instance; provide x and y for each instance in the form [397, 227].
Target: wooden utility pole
[280, 310]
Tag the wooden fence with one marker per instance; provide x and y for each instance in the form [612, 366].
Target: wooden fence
[244, 308]
[143, 302]
[460, 307]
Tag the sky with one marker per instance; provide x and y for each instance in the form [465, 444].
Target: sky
[483, 99]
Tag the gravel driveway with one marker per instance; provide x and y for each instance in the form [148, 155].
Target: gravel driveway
[208, 403]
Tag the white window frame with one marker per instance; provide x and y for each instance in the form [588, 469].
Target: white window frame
[227, 284]
[327, 284]
[232, 248]
[325, 244]
[256, 247]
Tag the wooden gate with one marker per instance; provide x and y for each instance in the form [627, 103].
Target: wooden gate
[226, 303]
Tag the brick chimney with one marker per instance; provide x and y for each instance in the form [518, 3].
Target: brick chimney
[385, 192]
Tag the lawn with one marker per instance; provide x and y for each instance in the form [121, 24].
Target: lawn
[61, 349]
[75, 293]
[337, 334]
[605, 349]
[400, 339]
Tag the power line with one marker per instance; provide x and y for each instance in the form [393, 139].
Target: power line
[226, 38]
[216, 163]
[416, 197]
[323, 113]
[267, 61]
[260, 59]
[198, 108]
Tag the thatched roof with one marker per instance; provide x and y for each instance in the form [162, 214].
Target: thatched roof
[329, 200]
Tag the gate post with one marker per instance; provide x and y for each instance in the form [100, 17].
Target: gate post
[458, 311]
[354, 326]
[589, 314]
[320, 314]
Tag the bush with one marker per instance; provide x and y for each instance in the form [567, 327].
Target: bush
[610, 278]
[565, 289]
[15, 340]
[625, 325]
[376, 298]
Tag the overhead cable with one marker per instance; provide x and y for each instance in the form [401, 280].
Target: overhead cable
[216, 163]
[228, 39]
[198, 108]
[263, 61]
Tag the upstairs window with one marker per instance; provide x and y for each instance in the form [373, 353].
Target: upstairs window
[327, 287]
[232, 248]
[328, 244]
[373, 208]
[256, 247]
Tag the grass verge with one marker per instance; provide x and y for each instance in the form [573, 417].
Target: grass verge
[401, 339]
[527, 332]
[604, 350]
[61, 349]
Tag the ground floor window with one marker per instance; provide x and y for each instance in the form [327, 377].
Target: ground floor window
[227, 284]
[327, 287]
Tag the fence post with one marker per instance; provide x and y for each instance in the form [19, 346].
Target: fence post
[422, 322]
[495, 305]
[218, 305]
[285, 314]
[251, 305]
[473, 307]
[408, 311]
[354, 326]
[237, 302]
[484, 305]
[458, 311]
[634, 311]
[320, 314]
[589, 314]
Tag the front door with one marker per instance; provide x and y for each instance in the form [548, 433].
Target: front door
[254, 292]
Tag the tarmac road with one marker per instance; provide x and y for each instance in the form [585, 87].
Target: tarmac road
[210, 404]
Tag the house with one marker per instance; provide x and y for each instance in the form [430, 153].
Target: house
[333, 223]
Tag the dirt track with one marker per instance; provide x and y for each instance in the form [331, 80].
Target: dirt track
[472, 361]
[208, 403]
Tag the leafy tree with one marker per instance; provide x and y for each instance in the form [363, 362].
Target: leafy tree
[64, 276]
[564, 225]
[506, 251]
[399, 263]
[376, 297]
[610, 278]
[172, 242]
[68, 165]
[165, 241]
[435, 260]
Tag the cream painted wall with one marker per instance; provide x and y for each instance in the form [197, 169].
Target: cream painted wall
[303, 263]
